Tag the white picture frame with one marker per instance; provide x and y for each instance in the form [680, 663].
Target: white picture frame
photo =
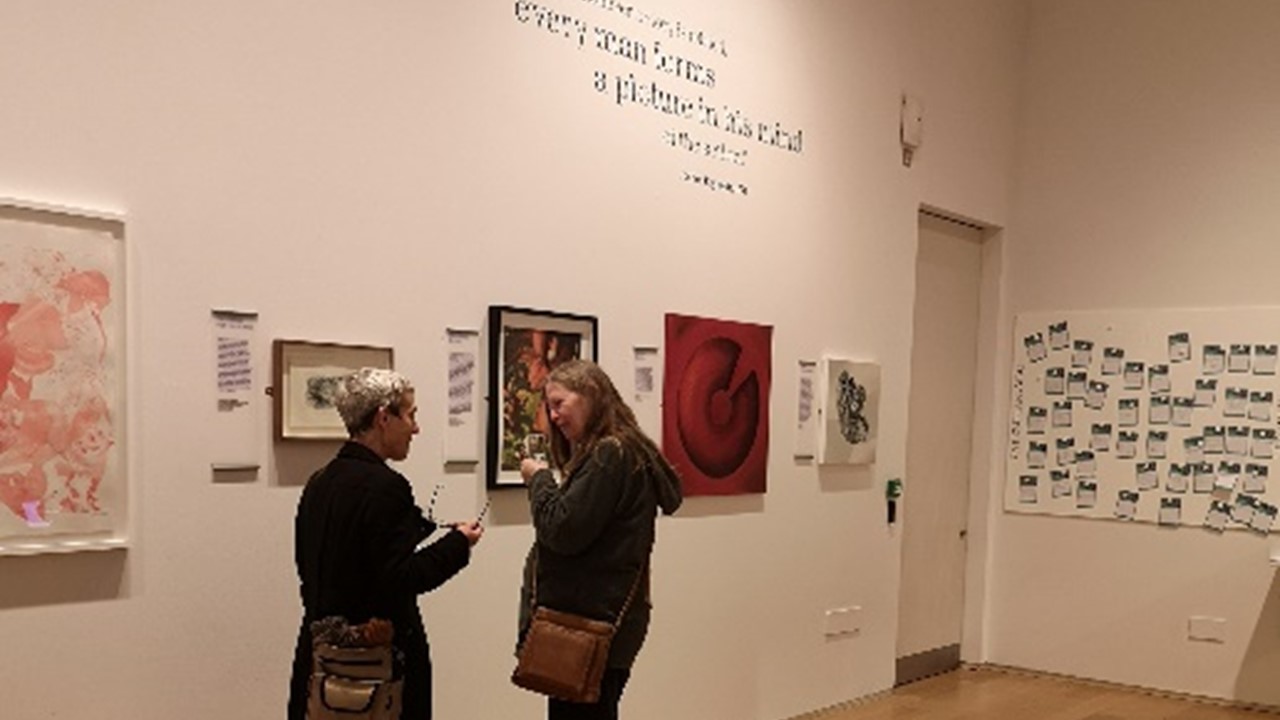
[850, 412]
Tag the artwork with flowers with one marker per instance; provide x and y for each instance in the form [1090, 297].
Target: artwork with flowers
[524, 347]
[63, 483]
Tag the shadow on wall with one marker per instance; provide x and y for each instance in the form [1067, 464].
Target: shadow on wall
[1261, 664]
[297, 460]
[844, 478]
[54, 579]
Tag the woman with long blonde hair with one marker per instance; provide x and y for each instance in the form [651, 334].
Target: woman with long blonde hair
[594, 531]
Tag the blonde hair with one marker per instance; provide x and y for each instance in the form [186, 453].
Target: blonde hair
[608, 417]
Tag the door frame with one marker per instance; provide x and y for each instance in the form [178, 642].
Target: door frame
[986, 444]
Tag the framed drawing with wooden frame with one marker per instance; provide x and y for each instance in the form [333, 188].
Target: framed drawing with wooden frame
[305, 384]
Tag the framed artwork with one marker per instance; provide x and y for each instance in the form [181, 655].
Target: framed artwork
[64, 482]
[850, 412]
[524, 346]
[305, 385]
[715, 414]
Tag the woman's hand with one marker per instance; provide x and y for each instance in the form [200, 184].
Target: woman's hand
[471, 531]
[529, 466]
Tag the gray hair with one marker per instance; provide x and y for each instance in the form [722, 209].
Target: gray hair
[366, 391]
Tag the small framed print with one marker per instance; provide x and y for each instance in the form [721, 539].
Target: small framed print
[1179, 478]
[1179, 347]
[524, 347]
[1170, 511]
[306, 376]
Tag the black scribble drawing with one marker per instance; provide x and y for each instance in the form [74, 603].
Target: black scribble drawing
[850, 405]
[322, 391]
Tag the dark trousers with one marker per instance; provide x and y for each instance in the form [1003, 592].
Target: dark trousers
[615, 679]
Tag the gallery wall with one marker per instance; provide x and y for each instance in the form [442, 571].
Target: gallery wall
[1148, 160]
[377, 172]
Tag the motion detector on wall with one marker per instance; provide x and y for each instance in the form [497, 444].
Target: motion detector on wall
[911, 127]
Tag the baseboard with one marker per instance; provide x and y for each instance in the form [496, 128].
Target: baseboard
[919, 666]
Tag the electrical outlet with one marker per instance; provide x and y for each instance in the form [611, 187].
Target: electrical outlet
[843, 621]
[1207, 629]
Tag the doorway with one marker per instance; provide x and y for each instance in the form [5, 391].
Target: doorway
[935, 501]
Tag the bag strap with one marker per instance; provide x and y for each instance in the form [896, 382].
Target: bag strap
[635, 585]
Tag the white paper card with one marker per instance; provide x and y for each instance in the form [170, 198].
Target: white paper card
[1127, 505]
[1128, 412]
[806, 431]
[1086, 495]
[1147, 476]
[462, 419]
[1126, 445]
[1112, 361]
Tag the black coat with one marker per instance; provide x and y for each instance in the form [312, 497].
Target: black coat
[356, 538]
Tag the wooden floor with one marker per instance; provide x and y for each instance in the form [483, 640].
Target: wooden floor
[994, 694]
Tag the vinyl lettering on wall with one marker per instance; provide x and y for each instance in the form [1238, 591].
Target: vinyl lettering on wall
[669, 81]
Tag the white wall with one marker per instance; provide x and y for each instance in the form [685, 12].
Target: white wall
[1148, 162]
[374, 172]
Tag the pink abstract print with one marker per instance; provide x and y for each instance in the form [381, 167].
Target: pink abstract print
[57, 382]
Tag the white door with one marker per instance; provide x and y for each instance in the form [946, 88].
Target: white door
[934, 505]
